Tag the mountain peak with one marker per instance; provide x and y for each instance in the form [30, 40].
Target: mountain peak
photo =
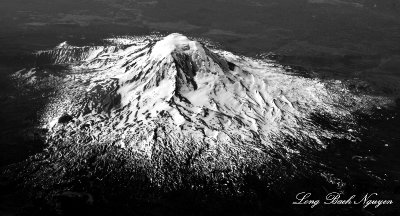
[176, 42]
[176, 91]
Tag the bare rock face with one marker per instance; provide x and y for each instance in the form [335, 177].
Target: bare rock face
[173, 102]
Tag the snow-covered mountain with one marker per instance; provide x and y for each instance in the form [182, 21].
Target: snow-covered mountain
[156, 95]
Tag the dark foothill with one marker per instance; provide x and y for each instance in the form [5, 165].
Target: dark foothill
[65, 118]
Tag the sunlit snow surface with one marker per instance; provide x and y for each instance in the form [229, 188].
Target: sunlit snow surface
[149, 93]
